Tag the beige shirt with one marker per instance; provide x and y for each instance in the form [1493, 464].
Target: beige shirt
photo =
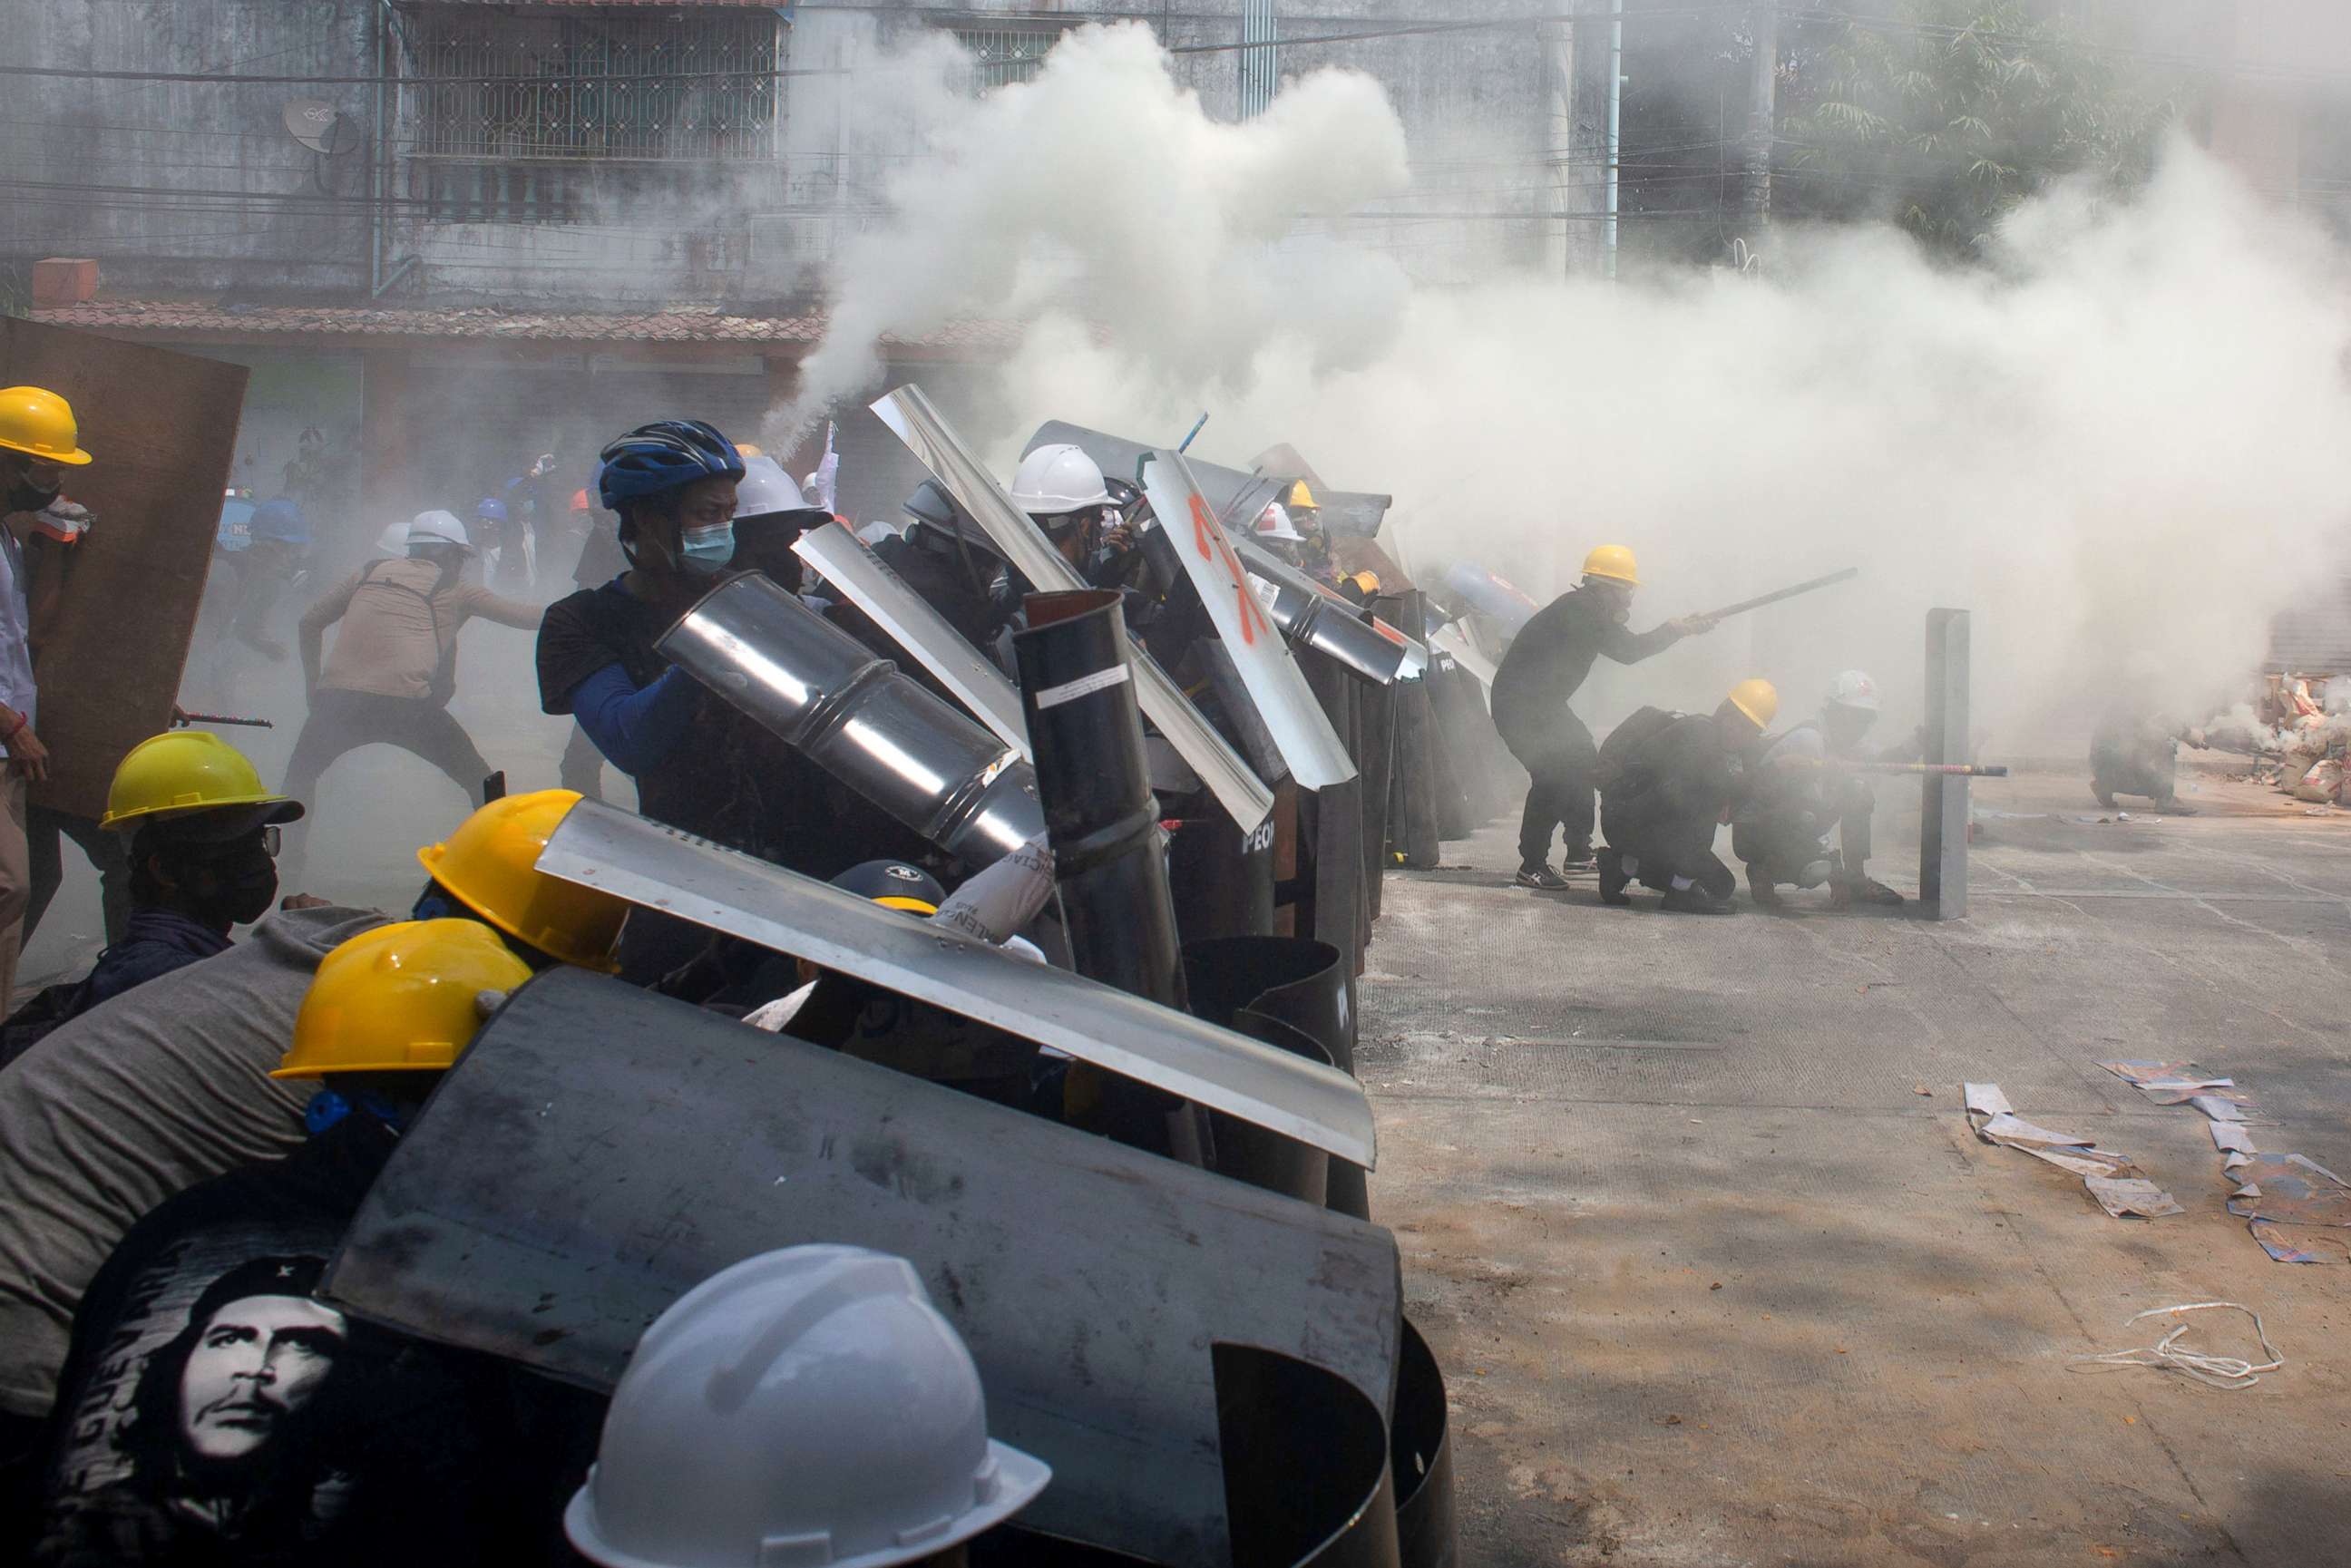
[137, 1100]
[400, 625]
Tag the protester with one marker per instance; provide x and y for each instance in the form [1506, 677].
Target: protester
[38, 440]
[1547, 662]
[202, 834]
[394, 665]
[2135, 750]
[1667, 780]
[810, 1396]
[949, 560]
[169, 1084]
[260, 1424]
[1798, 795]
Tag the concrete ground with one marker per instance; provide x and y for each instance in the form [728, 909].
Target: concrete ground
[1691, 1212]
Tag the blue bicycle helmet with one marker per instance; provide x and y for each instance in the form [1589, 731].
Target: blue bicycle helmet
[282, 520]
[491, 510]
[665, 456]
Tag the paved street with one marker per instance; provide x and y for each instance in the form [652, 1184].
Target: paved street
[1714, 1282]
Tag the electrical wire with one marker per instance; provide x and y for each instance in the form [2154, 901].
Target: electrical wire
[2220, 1371]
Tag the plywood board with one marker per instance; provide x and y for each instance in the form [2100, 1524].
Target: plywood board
[162, 428]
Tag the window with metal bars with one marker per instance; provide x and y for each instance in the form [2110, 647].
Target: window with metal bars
[1004, 55]
[494, 95]
[1259, 77]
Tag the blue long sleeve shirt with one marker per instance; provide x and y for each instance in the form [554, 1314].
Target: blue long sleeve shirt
[636, 727]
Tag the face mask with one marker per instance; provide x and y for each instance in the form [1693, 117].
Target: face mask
[705, 552]
[24, 495]
[245, 885]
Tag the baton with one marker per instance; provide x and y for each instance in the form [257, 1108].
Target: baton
[1746, 604]
[1932, 769]
[188, 719]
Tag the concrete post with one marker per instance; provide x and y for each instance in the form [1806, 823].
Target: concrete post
[1943, 819]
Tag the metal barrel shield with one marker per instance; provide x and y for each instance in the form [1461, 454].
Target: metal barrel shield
[909, 414]
[600, 1150]
[646, 863]
[867, 582]
[820, 690]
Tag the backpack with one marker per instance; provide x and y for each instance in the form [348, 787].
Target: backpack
[1617, 751]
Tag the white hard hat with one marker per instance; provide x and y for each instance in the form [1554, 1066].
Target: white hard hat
[1855, 690]
[807, 1405]
[1273, 523]
[438, 528]
[765, 487]
[1058, 479]
[393, 540]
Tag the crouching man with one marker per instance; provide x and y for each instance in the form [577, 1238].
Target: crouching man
[1798, 795]
[1667, 780]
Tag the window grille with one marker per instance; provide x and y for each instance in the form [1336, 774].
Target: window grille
[1258, 79]
[510, 84]
[1004, 55]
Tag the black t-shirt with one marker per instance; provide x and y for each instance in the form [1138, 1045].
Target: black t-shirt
[730, 780]
[213, 1410]
[1552, 654]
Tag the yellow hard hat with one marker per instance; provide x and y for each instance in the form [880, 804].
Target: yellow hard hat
[1300, 496]
[36, 421]
[491, 864]
[1757, 699]
[399, 999]
[747, 450]
[1612, 562]
[184, 771]
[1366, 582]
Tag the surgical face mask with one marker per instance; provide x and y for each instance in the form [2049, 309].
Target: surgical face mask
[705, 552]
[33, 487]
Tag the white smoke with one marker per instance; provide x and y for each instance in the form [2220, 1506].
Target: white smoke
[2121, 441]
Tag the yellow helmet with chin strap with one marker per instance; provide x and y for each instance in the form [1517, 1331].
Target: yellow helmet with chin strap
[1613, 562]
[1300, 496]
[405, 997]
[39, 423]
[491, 864]
[1757, 699]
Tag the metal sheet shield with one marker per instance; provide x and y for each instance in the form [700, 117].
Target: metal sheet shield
[601, 846]
[600, 1150]
[914, 625]
[1376, 648]
[909, 415]
[1309, 743]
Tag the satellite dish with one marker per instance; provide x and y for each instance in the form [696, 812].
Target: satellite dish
[312, 124]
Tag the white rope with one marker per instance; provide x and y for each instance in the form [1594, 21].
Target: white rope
[2220, 1371]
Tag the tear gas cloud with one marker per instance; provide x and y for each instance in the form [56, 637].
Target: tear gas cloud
[2119, 442]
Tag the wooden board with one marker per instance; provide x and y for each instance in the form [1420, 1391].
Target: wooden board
[162, 429]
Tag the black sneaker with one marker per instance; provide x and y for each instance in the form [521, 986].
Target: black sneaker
[1542, 878]
[1578, 858]
[1612, 880]
[1691, 901]
[1761, 889]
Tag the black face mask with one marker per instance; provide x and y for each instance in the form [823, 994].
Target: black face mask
[237, 886]
[24, 495]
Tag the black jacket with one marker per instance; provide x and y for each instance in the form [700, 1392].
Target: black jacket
[1554, 651]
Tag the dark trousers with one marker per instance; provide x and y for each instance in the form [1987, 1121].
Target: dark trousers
[344, 721]
[1779, 843]
[1666, 844]
[108, 854]
[1559, 756]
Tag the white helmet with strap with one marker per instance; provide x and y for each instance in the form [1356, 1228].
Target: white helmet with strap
[765, 487]
[1058, 479]
[807, 1405]
[1855, 690]
[438, 528]
[1273, 525]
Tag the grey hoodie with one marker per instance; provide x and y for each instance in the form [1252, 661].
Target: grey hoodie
[135, 1100]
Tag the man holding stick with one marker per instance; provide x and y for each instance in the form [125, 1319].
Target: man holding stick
[1540, 676]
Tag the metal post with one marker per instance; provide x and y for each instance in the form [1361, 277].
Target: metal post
[1943, 799]
[1762, 94]
[1616, 120]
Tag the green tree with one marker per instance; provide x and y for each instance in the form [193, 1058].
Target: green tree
[1944, 114]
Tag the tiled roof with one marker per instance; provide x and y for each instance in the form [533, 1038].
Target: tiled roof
[172, 318]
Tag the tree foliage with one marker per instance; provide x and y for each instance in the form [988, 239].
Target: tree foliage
[1944, 114]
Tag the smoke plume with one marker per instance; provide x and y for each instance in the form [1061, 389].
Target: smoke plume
[2119, 444]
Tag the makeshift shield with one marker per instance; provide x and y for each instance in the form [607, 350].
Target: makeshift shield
[909, 414]
[867, 582]
[600, 1150]
[644, 863]
[1316, 757]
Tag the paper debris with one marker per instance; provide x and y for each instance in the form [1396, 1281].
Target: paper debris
[1987, 1099]
[2147, 1071]
[2231, 1137]
[2219, 1110]
[2120, 1186]
[2119, 1196]
[2273, 1242]
[2292, 1190]
[2177, 1092]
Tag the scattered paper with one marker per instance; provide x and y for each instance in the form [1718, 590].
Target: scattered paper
[2122, 1195]
[2273, 1242]
[2219, 1110]
[2147, 1071]
[2179, 1091]
[2291, 1190]
[1987, 1099]
[2231, 1137]
[2016, 1132]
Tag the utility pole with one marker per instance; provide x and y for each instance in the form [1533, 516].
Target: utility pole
[1762, 102]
